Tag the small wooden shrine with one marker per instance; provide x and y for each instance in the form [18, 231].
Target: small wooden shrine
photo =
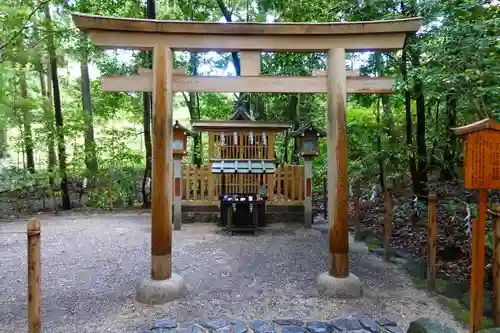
[242, 159]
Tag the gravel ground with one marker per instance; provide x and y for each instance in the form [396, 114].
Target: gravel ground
[90, 265]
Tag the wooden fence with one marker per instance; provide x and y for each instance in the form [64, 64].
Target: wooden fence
[285, 186]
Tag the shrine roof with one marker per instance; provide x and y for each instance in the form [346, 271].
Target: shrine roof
[187, 131]
[90, 22]
[234, 125]
[307, 127]
[488, 123]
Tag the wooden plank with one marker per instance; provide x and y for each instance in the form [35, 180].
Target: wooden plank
[255, 84]
[338, 195]
[200, 203]
[88, 22]
[34, 293]
[250, 63]
[319, 72]
[286, 203]
[161, 210]
[227, 43]
[357, 211]
[496, 262]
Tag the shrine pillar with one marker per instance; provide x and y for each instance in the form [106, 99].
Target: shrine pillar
[163, 285]
[337, 282]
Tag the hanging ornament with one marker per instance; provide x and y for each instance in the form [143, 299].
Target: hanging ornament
[264, 138]
[250, 207]
[222, 139]
[235, 138]
[250, 137]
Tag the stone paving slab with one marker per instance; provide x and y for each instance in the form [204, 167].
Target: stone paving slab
[347, 324]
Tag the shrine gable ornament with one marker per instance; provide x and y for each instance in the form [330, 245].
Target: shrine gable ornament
[481, 144]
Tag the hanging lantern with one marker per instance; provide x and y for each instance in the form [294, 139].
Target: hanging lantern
[235, 134]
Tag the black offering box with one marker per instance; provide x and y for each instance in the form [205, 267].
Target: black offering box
[243, 212]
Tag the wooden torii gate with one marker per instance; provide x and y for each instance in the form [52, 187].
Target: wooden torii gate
[163, 37]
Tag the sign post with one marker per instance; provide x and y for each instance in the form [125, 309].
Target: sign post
[482, 172]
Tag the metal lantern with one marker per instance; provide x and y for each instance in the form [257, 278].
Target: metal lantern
[307, 139]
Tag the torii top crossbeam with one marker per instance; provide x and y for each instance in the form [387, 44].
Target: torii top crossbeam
[206, 36]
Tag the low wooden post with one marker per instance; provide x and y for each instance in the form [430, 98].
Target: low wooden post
[496, 261]
[388, 223]
[325, 198]
[177, 192]
[357, 211]
[308, 191]
[431, 241]
[34, 294]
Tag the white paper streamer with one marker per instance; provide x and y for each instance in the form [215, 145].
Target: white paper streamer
[222, 139]
[250, 137]
[264, 138]
[235, 135]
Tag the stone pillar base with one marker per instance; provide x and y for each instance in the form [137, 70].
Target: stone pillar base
[349, 287]
[151, 291]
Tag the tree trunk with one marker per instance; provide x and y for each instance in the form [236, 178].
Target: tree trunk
[379, 70]
[448, 167]
[61, 145]
[409, 122]
[194, 113]
[228, 18]
[90, 148]
[49, 127]
[148, 102]
[27, 135]
[421, 144]
[293, 115]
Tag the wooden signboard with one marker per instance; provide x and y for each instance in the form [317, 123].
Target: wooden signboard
[481, 154]
[481, 171]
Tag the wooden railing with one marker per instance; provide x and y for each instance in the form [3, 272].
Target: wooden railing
[285, 186]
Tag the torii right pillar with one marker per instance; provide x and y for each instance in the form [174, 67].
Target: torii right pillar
[337, 281]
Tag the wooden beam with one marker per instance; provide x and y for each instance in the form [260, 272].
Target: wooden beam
[319, 72]
[250, 63]
[89, 22]
[277, 84]
[229, 43]
[338, 193]
[161, 199]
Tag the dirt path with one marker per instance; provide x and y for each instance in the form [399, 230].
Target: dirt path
[90, 265]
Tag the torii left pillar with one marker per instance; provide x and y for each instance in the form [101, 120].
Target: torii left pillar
[163, 285]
